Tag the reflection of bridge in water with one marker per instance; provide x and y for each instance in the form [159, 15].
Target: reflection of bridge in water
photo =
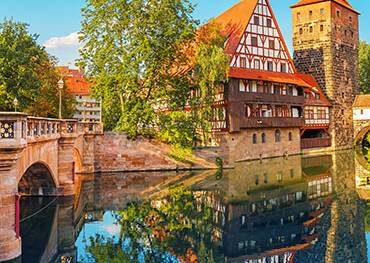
[279, 210]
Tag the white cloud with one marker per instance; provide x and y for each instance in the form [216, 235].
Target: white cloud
[65, 41]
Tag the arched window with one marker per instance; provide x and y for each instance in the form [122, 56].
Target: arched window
[290, 136]
[277, 136]
[263, 137]
[254, 139]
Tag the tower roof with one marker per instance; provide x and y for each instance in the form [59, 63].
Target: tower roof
[343, 3]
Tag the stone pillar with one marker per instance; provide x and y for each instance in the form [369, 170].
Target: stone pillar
[65, 158]
[12, 142]
[88, 157]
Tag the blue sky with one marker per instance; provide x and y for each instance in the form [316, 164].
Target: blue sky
[57, 21]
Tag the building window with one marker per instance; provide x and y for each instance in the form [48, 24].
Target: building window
[298, 16]
[321, 28]
[254, 41]
[270, 66]
[322, 11]
[256, 20]
[263, 137]
[244, 85]
[338, 13]
[310, 13]
[311, 29]
[290, 136]
[362, 112]
[345, 32]
[352, 34]
[283, 67]
[301, 31]
[277, 136]
[257, 180]
[254, 138]
[272, 44]
[243, 62]
[257, 64]
[248, 111]
[269, 22]
[317, 96]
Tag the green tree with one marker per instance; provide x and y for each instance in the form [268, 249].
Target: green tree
[146, 53]
[176, 228]
[364, 67]
[27, 72]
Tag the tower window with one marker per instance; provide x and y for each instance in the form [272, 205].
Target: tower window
[345, 32]
[290, 136]
[298, 16]
[338, 13]
[277, 136]
[243, 62]
[272, 44]
[311, 29]
[263, 137]
[321, 28]
[352, 34]
[322, 11]
[310, 13]
[256, 20]
[301, 31]
[270, 66]
[269, 22]
[254, 41]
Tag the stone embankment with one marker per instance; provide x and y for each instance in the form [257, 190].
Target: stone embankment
[114, 152]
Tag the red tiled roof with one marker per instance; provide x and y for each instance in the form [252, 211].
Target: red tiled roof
[234, 21]
[268, 76]
[362, 101]
[313, 86]
[343, 3]
[77, 85]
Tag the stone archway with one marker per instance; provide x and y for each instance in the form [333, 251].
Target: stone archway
[361, 128]
[38, 181]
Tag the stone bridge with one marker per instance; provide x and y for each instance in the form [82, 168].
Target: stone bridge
[39, 157]
[361, 128]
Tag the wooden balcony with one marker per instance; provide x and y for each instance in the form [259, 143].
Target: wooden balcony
[253, 97]
[311, 143]
[271, 122]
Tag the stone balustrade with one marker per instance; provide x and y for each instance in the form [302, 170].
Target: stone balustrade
[18, 129]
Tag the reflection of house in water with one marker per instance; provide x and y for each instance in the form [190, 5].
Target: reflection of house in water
[269, 209]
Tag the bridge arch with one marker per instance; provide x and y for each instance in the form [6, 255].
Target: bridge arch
[38, 180]
[362, 128]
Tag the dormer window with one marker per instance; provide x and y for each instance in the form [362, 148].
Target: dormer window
[283, 67]
[256, 20]
[269, 22]
[254, 41]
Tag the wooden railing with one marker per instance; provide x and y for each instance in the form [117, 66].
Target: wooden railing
[271, 122]
[311, 143]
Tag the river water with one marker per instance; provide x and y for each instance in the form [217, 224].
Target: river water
[299, 209]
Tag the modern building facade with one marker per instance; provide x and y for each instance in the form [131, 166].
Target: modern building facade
[88, 109]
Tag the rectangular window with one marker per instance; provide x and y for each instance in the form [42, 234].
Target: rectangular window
[257, 64]
[254, 41]
[321, 28]
[243, 62]
[283, 67]
[310, 13]
[311, 29]
[256, 20]
[270, 66]
[298, 16]
[272, 44]
[269, 22]
[322, 11]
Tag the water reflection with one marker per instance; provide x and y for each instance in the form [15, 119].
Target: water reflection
[278, 210]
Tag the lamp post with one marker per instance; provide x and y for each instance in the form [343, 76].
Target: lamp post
[15, 103]
[60, 89]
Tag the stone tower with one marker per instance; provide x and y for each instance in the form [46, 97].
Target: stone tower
[325, 41]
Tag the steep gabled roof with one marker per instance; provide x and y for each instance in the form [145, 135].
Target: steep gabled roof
[77, 85]
[343, 3]
[233, 23]
[314, 86]
[362, 101]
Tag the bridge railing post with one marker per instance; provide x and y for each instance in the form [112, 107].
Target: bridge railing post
[13, 129]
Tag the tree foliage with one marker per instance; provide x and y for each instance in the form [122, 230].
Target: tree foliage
[144, 54]
[27, 72]
[364, 67]
[176, 228]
